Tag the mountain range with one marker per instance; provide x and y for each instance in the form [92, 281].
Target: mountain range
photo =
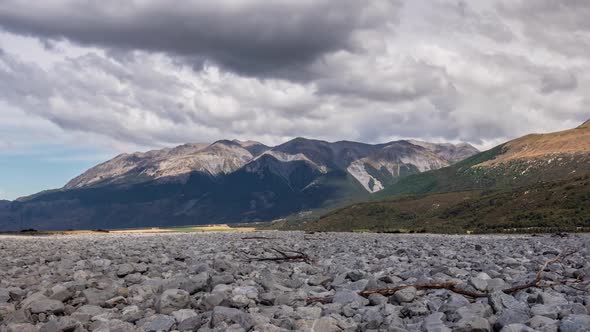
[226, 182]
[539, 182]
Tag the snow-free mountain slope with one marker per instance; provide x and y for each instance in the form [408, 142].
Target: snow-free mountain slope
[524, 161]
[447, 151]
[221, 157]
[562, 144]
[224, 182]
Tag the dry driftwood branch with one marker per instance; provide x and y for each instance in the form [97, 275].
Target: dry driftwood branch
[539, 281]
[443, 285]
[285, 256]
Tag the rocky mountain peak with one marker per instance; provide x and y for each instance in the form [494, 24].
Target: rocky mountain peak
[374, 166]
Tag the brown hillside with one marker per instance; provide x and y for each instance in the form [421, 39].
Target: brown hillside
[568, 142]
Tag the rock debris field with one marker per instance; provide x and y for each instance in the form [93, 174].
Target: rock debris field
[283, 281]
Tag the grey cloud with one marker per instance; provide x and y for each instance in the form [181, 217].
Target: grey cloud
[323, 69]
[464, 18]
[560, 26]
[558, 81]
[391, 83]
[249, 37]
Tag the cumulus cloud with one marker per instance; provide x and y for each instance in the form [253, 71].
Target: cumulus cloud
[246, 36]
[143, 74]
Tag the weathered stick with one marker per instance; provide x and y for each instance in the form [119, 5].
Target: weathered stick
[453, 287]
[284, 257]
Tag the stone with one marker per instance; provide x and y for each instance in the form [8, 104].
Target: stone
[131, 314]
[478, 283]
[86, 312]
[115, 301]
[61, 293]
[511, 316]
[377, 299]
[125, 269]
[231, 315]
[326, 324]
[309, 313]
[405, 295]
[47, 306]
[551, 299]
[62, 324]
[210, 301]
[159, 323]
[112, 325]
[98, 297]
[543, 323]
[516, 328]
[346, 297]
[172, 300]
[183, 314]
[22, 328]
[200, 282]
[551, 312]
[191, 324]
[496, 284]
[434, 323]
[415, 309]
[4, 295]
[243, 296]
[473, 324]
[575, 323]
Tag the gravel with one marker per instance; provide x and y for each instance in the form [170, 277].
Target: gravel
[212, 282]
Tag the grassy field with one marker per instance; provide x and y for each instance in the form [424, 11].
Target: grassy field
[544, 207]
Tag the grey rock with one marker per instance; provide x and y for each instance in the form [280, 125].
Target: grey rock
[434, 323]
[405, 295]
[545, 310]
[544, 324]
[25, 327]
[98, 297]
[415, 309]
[183, 314]
[61, 293]
[551, 299]
[4, 295]
[478, 283]
[377, 299]
[131, 314]
[86, 312]
[172, 300]
[516, 328]
[159, 323]
[112, 325]
[62, 324]
[575, 323]
[473, 324]
[309, 313]
[47, 306]
[191, 324]
[125, 269]
[209, 301]
[496, 284]
[231, 315]
[346, 297]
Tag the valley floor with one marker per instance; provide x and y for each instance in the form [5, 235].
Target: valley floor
[280, 281]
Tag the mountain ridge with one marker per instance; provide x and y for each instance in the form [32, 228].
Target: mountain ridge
[227, 181]
[226, 156]
[538, 182]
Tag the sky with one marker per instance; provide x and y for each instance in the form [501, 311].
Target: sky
[82, 80]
